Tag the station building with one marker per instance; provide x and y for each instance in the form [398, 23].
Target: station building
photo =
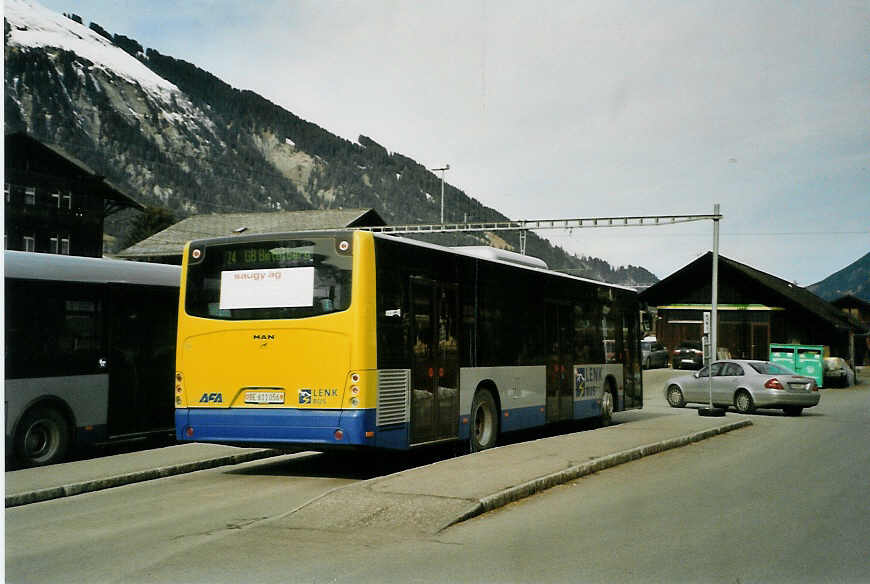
[755, 309]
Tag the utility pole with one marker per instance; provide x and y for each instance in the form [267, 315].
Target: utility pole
[443, 169]
[714, 324]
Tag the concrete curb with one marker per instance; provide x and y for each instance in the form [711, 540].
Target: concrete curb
[539, 484]
[69, 490]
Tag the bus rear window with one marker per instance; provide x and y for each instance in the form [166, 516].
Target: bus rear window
[259, 280]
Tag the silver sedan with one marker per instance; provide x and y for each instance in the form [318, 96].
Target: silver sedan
[746, 385]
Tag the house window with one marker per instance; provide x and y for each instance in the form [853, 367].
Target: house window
[54, 245]
[64, 246]
[30, 196]
[29, 243]
[62, 200]
[7, 191]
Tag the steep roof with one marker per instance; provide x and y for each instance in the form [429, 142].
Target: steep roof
[790, 293]
[170, 242]
[25, 155]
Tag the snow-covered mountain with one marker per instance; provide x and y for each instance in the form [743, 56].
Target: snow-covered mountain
[174, 135]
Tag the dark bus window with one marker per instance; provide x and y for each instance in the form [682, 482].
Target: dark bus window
[53, 329]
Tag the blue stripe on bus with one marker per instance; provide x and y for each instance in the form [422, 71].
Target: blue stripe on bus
[274, 426]
[522, 418]
[586, 408]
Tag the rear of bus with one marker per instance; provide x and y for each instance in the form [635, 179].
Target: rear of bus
[276, 341]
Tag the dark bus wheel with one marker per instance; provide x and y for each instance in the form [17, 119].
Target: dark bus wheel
[43, 437]
[484, 421]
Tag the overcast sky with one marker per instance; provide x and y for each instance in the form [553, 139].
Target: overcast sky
[578, 109]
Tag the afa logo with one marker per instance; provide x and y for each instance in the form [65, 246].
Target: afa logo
[304, 396]
[214, 398]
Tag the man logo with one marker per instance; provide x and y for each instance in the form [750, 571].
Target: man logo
[216, 398]
[304, 396]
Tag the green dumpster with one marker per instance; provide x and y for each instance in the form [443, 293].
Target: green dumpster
[804, 360]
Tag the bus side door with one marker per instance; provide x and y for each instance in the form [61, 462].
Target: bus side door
[560, 353]
[435, 360]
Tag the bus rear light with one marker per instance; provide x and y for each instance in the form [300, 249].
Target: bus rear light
[370, 434]
[354, 401]
[354, 377]
[189, 431]
[178, 377]
[178, 388]
[339, 435]
[354, 390]
[178, 401]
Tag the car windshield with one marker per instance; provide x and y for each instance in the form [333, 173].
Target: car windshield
[767, 368]
[690, 345]
[646, 346]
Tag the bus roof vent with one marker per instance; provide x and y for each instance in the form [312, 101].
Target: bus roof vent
[503, 255]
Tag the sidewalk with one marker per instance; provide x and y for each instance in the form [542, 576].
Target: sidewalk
[427, 498]
[32, 485]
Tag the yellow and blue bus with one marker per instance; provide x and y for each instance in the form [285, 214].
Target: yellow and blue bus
[329, 340]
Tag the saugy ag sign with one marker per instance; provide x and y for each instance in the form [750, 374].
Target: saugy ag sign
[267, 288]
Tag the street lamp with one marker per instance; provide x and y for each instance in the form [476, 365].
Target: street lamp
[443, 169]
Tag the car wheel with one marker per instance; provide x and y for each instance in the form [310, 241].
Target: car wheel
[675, 397]
[43, 437]
[484, 421]
[743, 402]
[792, 410]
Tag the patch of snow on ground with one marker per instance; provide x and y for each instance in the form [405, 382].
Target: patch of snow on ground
[33, 25]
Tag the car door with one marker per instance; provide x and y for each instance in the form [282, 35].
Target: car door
[725, 379]
[696, 387]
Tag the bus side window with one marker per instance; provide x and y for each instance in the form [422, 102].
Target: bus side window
[393, 320]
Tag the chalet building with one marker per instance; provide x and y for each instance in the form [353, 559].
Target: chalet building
[755, 309]
[167, 246]
[53, 202]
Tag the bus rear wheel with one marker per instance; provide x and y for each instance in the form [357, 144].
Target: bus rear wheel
[43, 437]
[484, 421]
[607, 404]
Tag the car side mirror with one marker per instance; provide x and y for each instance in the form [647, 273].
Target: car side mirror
[696, 374]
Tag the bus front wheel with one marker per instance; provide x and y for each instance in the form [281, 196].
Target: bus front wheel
[43, 437]
[484, 421]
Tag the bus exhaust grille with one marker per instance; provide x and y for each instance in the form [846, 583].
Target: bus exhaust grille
[393, 396]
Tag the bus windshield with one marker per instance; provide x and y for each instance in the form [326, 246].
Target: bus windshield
[261, 280]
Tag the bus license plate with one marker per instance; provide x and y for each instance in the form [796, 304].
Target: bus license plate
[264, 397]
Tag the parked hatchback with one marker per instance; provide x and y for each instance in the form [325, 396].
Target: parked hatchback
[837, 373]
[688, 355]
[746, 385]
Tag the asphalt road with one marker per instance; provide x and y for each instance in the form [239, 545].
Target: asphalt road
[787, 500]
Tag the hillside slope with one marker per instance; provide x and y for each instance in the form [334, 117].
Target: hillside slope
[854, 279]
[176, 136]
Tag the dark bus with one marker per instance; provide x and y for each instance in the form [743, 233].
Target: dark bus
[89, 352]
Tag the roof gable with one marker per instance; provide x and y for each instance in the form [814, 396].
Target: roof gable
[698, 274]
